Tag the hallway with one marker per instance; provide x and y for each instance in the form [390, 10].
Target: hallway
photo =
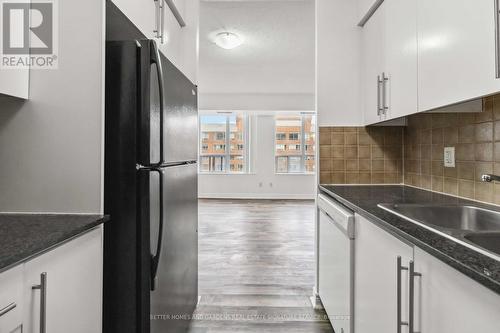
[256, 267]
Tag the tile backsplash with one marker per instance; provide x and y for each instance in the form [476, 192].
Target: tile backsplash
[414, 155]
[359, 155]
[476, 138]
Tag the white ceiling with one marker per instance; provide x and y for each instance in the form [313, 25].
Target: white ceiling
[277, 55]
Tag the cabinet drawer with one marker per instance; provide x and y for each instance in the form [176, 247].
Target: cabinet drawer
[11, 284]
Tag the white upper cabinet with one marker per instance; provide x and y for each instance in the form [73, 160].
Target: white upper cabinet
[432, 54]
[373, 66]
[456, 51]
[15, 82]
[143, 13]
[156, 21]
[400, 50]
[390, 61]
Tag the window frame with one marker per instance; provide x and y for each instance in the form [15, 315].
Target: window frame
[227, 142]
[303, 155]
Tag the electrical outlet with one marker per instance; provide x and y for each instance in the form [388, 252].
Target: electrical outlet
[449, 157]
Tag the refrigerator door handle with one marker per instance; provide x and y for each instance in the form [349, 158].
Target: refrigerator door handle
[155, 257]
[155, 59]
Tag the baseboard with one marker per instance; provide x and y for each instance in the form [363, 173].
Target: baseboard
[254, 196]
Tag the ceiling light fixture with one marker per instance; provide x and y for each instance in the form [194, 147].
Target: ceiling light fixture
[228, 40]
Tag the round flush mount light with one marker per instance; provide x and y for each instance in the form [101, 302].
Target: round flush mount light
[228, 40]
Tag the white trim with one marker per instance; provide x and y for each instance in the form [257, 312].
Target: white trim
[256, 196]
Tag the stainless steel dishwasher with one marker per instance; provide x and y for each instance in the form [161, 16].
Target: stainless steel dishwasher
[336, 263]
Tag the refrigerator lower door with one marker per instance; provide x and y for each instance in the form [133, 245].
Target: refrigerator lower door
[175, 295]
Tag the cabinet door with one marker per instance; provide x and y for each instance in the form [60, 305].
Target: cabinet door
[450, 301]
[456, 41]
[373, 45]
[375, 286]
[73, 288]
[400, 56]
[142, 13]
[15, 82]
[11, 300]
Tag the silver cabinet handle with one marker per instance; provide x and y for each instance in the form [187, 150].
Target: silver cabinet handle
[400, 268]
[176, 13]
[379, 83]
[7, 309]
[43, 301]
[497, 39]
[385, 107]
[411, 307]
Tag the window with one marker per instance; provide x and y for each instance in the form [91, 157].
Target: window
[298, 154]
[280, 136]
[223, 146]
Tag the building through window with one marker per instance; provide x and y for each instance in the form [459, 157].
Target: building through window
[223, 146]
[295, 144]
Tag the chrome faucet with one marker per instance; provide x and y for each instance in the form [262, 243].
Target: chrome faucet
[490, 178]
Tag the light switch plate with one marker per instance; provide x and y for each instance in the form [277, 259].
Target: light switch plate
[449, 157]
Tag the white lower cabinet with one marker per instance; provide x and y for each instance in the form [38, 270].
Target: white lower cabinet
[449, 301]
[436, 298]
[11, 291]
[376, 278]
[63, 288]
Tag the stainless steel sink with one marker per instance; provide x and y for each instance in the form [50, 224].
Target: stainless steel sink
[474, 227]
[468, 218]
[488, 241]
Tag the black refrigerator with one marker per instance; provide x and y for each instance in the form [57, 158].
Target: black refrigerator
[151, 243]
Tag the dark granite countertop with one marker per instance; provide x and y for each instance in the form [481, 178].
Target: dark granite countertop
[364, 200]
[23, 236]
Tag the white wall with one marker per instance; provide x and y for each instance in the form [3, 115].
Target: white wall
[263, 182]
[253, 101]
[51, 146]
[338, 62]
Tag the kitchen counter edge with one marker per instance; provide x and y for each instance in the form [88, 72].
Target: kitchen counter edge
[475, 265]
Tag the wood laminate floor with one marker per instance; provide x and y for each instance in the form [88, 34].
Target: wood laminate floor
[256, 267]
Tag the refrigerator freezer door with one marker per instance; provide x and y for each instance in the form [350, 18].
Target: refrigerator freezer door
[176, 293]
[181, 115]
[123, 82]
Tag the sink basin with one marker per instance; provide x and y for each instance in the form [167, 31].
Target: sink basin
[474, 227]
[488, 241]
[464, 218]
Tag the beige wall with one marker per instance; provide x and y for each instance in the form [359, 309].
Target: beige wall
[353, 155]
[476, 138]
[359, 155]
